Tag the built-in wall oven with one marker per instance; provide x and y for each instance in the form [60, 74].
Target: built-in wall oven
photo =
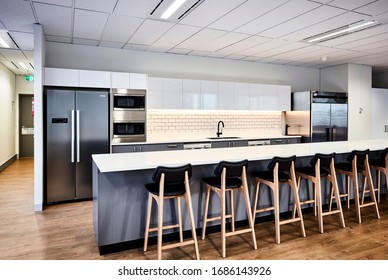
[128, 115]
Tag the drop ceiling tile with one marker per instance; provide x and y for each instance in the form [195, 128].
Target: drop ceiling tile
[11, 67]
[150, 31]
[200, 40]
[245, 13]
[56, 20]
[175, 36]
[17, 15]
[29, 55]
[67, 3]
[25, 41]
[350, 5]
[283, 49]
[208, 11]
[140, 9]
[244, 44]
[13, 55]
[120, 28]
[235, 56]
[276, 43]
[1, 56]
[375, 8]
[138, 47]
[59, 39]
[225, 41]
[312, 17]
[88, 42]
[89, 25]
[199, 53]
[106, 6]
[108, 44]
[281, 14]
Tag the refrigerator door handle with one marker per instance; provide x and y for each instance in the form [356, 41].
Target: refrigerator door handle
[78, 136]
[72, 136]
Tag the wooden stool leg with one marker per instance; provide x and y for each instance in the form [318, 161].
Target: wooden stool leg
[298, 208]
[334, 186]
[179, 218]
[160, 226]
[232, 209]
[348, 192]
[368, 175]
[363, 190]
[294, 204]
[205, 212]
[356, 196]
[148, 218]
[276, 210]
[318, 202]
[187, 197]
[223, 224]
[244, 189]
[255, 200]
[378, 184]
[331, 198]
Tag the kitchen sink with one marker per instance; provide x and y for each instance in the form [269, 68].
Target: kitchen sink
[226, 137]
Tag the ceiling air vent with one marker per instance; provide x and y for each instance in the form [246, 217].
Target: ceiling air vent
[157, 6]
[196, 4]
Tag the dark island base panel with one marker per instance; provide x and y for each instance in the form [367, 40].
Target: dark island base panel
[139, 243]
[120, 200]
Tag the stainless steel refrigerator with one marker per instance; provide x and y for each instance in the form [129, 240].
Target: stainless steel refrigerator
[77, 126]
[328, 114]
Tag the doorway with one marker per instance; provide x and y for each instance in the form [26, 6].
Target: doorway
[26, 125]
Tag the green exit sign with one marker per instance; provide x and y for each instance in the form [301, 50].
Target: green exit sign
[29, 78]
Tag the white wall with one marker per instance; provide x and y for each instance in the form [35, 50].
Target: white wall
[356, 80]
[179, 66]
[7, 114]
[379, 112]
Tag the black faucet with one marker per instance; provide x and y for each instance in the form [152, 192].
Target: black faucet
[218, 128]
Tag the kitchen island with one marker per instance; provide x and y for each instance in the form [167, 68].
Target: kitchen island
[120, 199]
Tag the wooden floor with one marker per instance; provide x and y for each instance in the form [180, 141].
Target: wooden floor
[66, 232]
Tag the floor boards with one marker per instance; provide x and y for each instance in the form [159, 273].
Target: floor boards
[65, 232]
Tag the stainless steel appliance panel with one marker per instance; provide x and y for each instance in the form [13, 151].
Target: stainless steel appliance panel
[339, 122]
[129, 115]
[77, 127]
[92, 135]
[60, 159]
[320, 122]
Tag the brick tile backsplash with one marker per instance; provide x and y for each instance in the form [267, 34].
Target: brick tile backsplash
[160, 122]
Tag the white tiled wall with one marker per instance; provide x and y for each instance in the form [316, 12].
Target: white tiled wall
[191, 123]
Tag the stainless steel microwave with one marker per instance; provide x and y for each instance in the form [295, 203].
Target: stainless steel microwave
[129, 131]
[126, 99]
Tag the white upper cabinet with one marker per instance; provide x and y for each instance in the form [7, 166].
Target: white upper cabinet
[284, 95]
[191, 94]
[61, 77]
[120, 80]
[241, 96]
[100, 79]
[225, 95]
[172, 93]
[155, 93]
[256, 98]
[216, 95]
[138, 81]
[209, 95]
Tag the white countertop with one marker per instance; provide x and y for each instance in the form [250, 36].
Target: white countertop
[150, 160]
[205, 139]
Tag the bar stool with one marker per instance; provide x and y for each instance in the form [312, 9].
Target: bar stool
[280, 170]
[321, 166]
[357, 163]
[170, 183]
[229, 176]
[380, 165]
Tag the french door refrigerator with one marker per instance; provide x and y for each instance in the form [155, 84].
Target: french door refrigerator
[77, 126]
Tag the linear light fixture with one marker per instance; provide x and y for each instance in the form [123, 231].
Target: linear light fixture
[23, 65]
[342, 31]
[4, 43]
[172, 9]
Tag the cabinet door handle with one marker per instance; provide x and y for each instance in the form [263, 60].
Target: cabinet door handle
[278, 140]
[140, 148]
[172, 146]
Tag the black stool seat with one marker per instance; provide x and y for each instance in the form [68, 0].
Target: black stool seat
[310, 170]
[268, 175]
[230, 183]
[377, 162]
[171, 189]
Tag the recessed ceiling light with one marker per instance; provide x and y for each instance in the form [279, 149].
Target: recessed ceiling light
[341, 31]
[3, 43]
[23, 65]
[172, 9]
